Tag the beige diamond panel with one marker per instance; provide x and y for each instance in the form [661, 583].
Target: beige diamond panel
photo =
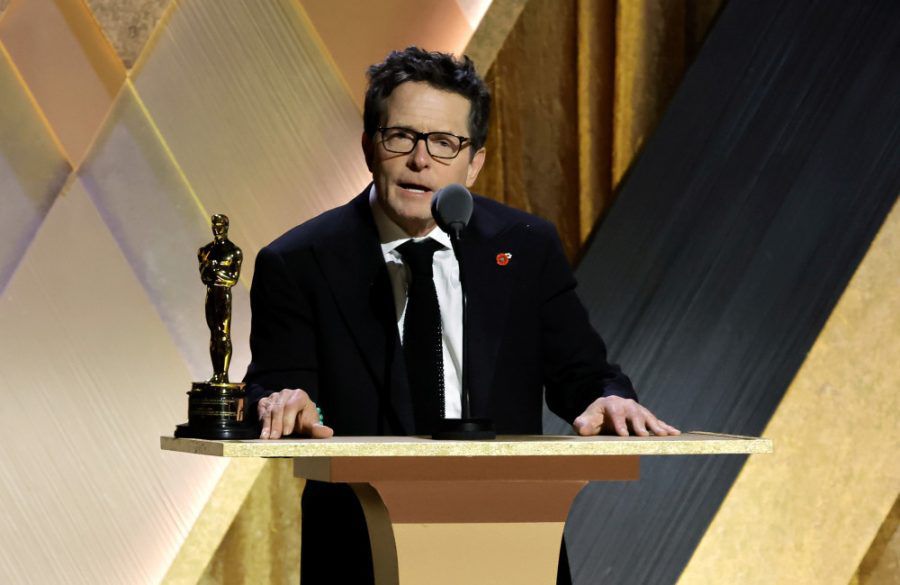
[158, 224]
[254, 114]
[123, 125]
[90, 379]
[69, 68]
[32, 168]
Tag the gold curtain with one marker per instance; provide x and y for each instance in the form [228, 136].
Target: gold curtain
[578, 87]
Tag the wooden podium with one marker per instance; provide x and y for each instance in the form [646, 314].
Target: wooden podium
[469, 512]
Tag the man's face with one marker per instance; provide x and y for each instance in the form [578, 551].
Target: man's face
[406, 182]
[219, 226]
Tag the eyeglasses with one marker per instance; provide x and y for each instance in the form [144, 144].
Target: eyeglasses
[441, 145]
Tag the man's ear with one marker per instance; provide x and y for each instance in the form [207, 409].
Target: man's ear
[475, 167]
[368, 150]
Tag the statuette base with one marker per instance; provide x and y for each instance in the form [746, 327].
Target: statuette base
[216, 411]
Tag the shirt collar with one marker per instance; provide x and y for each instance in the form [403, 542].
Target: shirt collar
[392, 235]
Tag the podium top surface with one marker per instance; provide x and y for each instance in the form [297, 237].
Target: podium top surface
[693, 443]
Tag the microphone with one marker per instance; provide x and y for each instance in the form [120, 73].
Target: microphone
[452, 208]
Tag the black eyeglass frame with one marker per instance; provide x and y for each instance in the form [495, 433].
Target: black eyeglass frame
[464, 141]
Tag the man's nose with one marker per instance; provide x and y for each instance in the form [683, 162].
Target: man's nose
[419, 157]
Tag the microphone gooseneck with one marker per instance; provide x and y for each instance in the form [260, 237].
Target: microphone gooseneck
[452, 209]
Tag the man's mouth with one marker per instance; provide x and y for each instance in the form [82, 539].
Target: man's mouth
[414, 187]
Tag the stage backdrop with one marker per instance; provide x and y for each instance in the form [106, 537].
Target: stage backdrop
[125, 123]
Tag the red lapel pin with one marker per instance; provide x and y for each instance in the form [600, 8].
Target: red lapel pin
[503, 258]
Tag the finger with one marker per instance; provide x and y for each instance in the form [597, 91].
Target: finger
[672, 430]
[617, 419]
[656, 426]
[588, 423]
[277, 418]
[639, 424]
[320, 431]
[265, 417]
[310, 425]
[308, 417]
[293, 407]
[289, 420]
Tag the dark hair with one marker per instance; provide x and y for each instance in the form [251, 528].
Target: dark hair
[440, 71]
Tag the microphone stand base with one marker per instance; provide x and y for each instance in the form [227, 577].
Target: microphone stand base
[465, 429]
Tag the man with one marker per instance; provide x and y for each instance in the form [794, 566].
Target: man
[332, 320]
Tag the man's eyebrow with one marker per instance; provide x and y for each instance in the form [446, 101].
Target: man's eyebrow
[413, 129]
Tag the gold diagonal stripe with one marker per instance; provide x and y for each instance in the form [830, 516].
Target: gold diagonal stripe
[834, 476]
[34, 104]
[492, 31]
[212, 524]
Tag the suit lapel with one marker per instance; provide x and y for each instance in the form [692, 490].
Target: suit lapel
[488, 290]
[354, 267]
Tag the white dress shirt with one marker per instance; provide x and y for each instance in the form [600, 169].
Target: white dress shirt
[449, 293]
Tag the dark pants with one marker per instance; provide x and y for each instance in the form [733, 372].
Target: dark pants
[334, 527]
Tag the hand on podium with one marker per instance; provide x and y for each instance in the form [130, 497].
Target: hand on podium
[290, 410]
[614, 414]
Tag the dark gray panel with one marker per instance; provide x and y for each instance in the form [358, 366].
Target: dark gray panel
[731, 241]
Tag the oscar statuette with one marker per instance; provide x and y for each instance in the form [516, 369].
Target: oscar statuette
[216, 407]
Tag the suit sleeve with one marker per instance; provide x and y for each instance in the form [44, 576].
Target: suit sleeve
[282, 333]
[574, 361]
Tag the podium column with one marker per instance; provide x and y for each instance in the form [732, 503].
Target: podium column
[466, 519]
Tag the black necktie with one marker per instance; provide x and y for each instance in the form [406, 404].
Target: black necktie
[422, 344]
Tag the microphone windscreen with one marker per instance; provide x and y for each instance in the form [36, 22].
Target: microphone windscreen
[451, 207]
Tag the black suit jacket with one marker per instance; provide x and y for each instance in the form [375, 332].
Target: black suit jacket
[323, 319]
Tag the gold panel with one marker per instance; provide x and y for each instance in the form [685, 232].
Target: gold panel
[655, 42]
[69, 67]
[537, 105]
[808, 513]
[595, 72]
[128, 24]
[358, 34]
[213, 523]
[90, 379]
[491, 33]
[881, 565]
[273, 504]
[32, 169]
[254, 114]
[599, 76]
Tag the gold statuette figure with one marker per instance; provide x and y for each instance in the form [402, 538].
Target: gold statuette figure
[220, 268]
[216, 407]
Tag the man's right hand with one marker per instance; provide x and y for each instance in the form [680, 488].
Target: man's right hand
[287, 411]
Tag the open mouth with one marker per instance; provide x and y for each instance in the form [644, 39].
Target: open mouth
[417, 188]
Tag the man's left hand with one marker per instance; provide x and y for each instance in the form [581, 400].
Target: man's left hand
[614, 414]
